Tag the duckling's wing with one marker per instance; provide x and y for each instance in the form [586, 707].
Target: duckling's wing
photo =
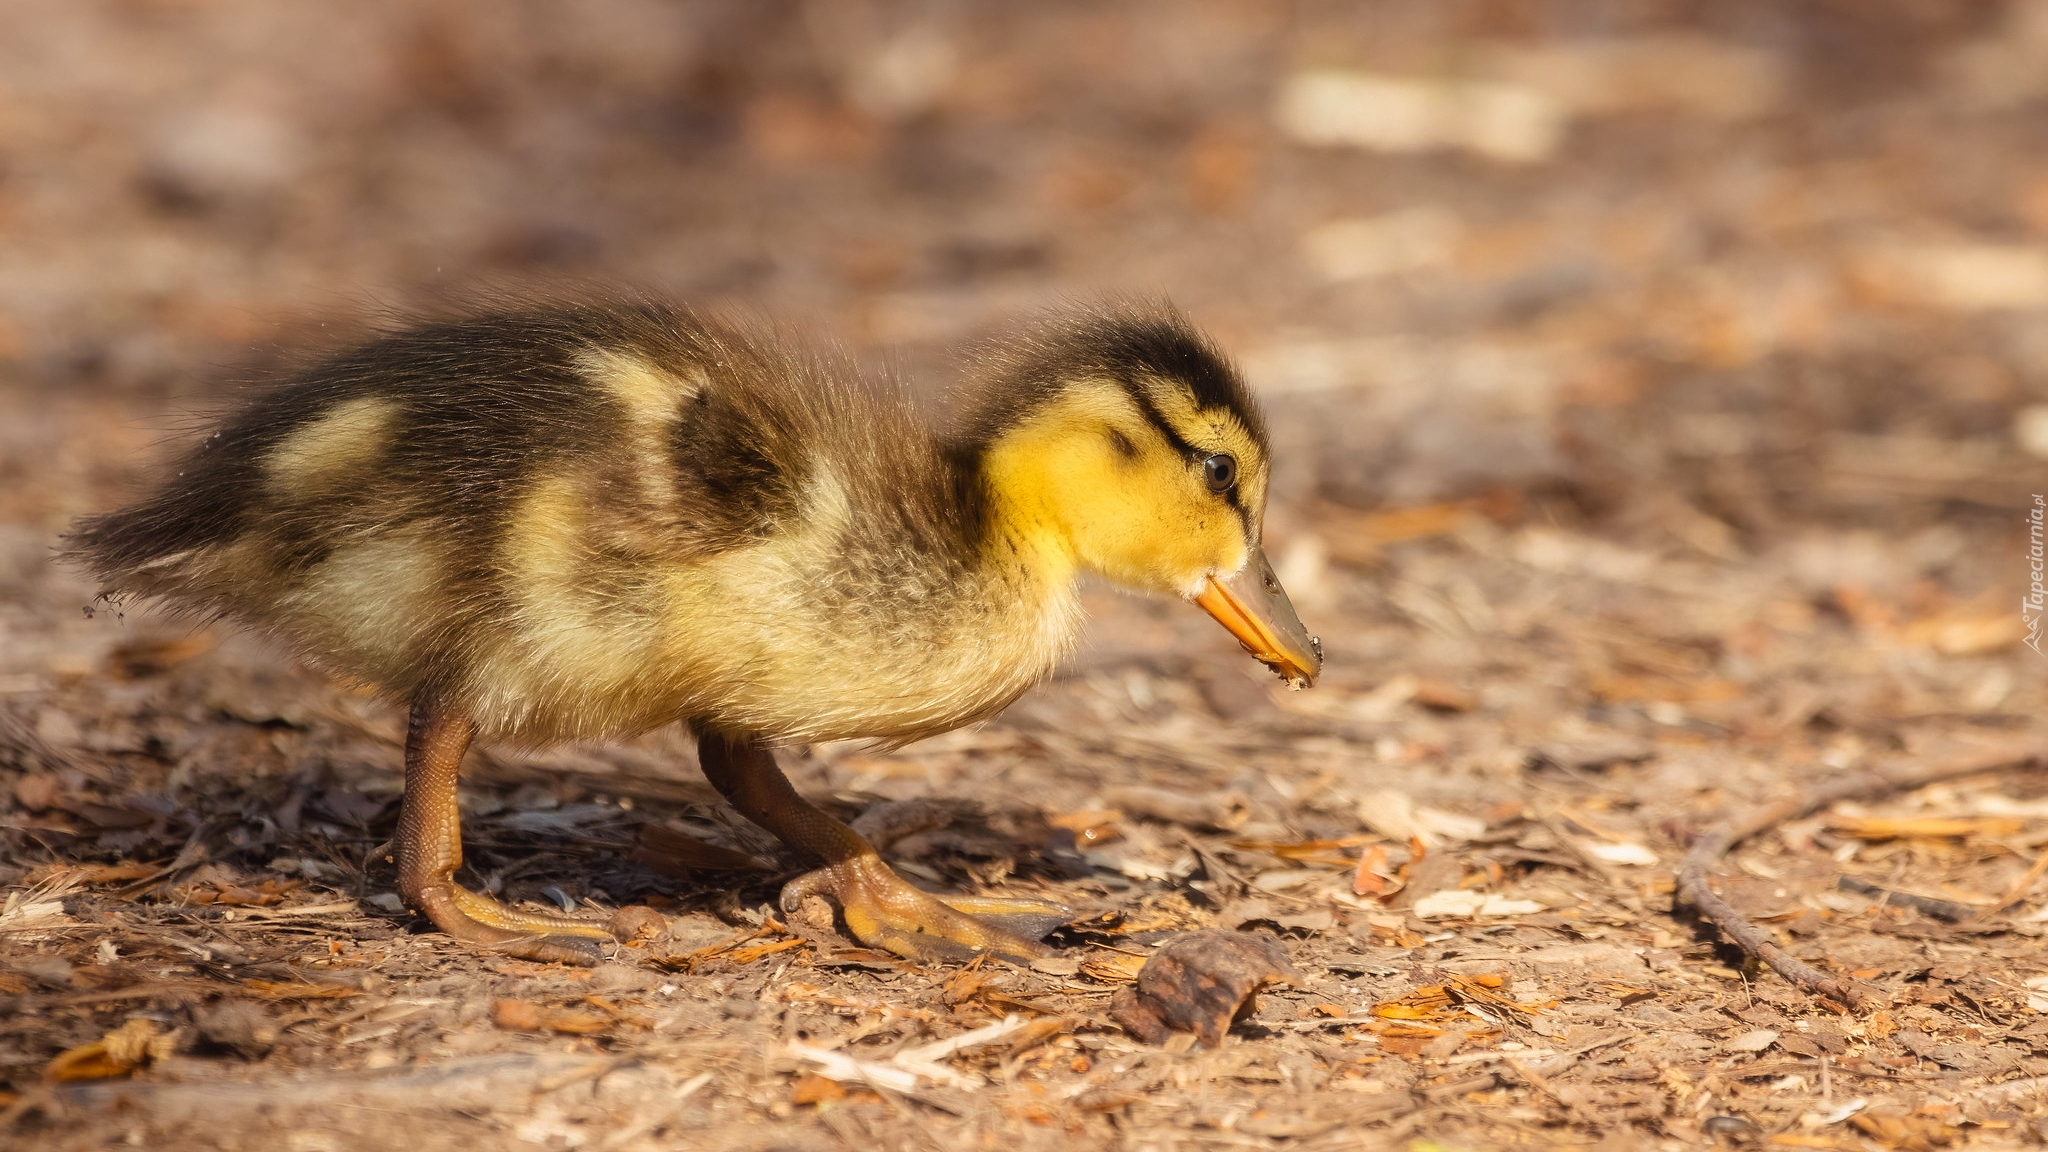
[393, 496]
[451, 423]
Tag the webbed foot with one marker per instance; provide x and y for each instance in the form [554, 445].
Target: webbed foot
[883, 910]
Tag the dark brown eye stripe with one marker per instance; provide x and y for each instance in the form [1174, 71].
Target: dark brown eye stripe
[1158, 420]
[1234, 495]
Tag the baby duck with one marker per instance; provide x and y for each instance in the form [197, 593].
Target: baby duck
[588, 520]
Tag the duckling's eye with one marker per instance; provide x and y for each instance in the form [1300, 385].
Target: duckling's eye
[1221, 472]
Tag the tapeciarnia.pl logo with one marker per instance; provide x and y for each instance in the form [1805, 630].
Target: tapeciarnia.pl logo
[2035, 602]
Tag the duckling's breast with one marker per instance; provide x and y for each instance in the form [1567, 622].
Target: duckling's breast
[837, 632]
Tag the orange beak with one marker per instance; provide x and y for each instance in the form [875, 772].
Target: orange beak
[1255, 608]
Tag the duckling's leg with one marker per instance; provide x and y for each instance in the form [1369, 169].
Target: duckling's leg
[429, 850]
[880, 907]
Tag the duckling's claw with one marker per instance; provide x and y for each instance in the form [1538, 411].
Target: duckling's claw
[882, 910]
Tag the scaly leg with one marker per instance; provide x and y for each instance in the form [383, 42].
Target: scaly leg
[880, 907]
[429, 850]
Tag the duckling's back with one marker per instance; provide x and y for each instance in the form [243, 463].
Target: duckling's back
[508, 508]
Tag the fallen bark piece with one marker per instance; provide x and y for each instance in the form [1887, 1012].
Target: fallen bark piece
[1225, 811]
[1199, 984]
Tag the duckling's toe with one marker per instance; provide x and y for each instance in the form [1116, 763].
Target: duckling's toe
[572, 950]
[1031, 919]
[882, 910]
[482, 921]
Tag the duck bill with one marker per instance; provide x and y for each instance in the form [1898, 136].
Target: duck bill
[1254, 607]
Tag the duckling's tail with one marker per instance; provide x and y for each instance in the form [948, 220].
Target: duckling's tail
[155, 547]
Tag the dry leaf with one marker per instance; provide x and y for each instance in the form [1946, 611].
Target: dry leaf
[1038, 1032]
[1965, 634]
[298, 990]
[811, 1088]
[92, 873]
[526, 1016]
[1327, 852]
[237, 895]
[1925, 827]
[136, 659]
[1395, 815]
[1753, 1041]
[673, 854]
[1224, 811]
[1662, 689]
[749, 955]
[1428, 1002]
[1090, 826]
[1462, 902]
[1113, 967]
[1626, 852]
[1372, 877]
[1441, 697]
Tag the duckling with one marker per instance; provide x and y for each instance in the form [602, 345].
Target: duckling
[583, 521]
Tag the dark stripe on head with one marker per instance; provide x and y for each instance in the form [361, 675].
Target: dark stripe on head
[1233, 495]
[1157, 419]
[1122, 342]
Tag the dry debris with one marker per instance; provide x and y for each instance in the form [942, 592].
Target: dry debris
[1199, 984]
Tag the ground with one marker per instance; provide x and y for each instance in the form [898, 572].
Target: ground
[1659, 402]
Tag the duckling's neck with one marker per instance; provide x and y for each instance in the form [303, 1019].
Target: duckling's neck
[1021, 529]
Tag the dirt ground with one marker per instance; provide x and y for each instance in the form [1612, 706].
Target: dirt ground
[1660, 394]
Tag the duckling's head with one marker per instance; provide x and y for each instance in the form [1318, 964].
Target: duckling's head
[1127, 445]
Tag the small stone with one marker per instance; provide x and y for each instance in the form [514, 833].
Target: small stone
[1730, 1129]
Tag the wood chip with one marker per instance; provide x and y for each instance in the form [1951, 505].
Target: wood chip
[526, 1016]
[1198, 984]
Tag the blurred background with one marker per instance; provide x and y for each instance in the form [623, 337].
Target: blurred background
[1755, 259]
[1721, 282]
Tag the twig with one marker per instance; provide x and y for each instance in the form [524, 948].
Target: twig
[1947, 910]
[1693, 889]
[2019, 889]
[940, 1049]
